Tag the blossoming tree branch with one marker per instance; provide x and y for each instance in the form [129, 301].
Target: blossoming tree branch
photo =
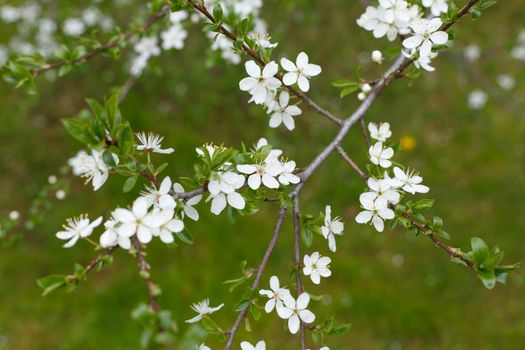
[237, 181]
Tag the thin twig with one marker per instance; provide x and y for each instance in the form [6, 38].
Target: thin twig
[110, 45]
[258, 276]
[364, 132]
[349, 160]
[144, 269]
[253, 53]
[297, 259]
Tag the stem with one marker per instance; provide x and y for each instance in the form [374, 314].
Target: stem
[297, 259]
[364, 132]
[260, 270]
[354, 166]
[144, 269]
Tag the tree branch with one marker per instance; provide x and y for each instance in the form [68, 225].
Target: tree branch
[144, 269]
[297, 259]
[258, 276]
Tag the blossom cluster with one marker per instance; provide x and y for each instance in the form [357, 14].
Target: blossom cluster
[393, 18]
[40, 29]
[264, 84]
[383, 193]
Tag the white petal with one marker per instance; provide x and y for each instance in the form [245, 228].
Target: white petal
[303, 300]
[288, 65]
[290, 78]
[439, 38]
[303, 83]
[218, 204]
[254, 181]
[253, 69]
[247, 84]
[293, 324]
[307, 316]
[236, 200]
[363, 217]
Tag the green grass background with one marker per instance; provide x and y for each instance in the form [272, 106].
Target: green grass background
[473, 162]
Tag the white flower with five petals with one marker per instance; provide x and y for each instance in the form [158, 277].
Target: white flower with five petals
[375, 211]
[222, 192]
[112, 238]
[151, 143]
[408, 181]
[381, 189]
[299, 72]
[296, 311]
[316, 266]
[188, 205]
[426, 35]
[276, 295]
[160, 198]
[282, 113]
[76, 228]
[138, 220]
[331, 228]
[264, 173]
[260, 82]
[380, 155]
[379, 132]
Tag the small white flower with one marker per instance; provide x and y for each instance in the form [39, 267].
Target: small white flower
[168, 226]
[331, 228]
[14, 215]
[375, 211]
[60, 194]
[204, 347]
[77, 227]
[260, 82]
[395, 9]
[174, 37]
[506, 81]
[264, 173]
[477, 99]
[276, 295]
[148, 47]
[92, 167]
[188, 206]
[111, 236]
[151, 143]
[381, 132]
[472, 52]
[287, 175]
[361, 96]
[138, 220]
[296, 311]
[437, 7]
[222, 191]
[380, 155]
[52, 179]
[377, 57]
[282, 113]
[299, 72]
[408, 181]
[381, 189]
[74, 27]
[316, 266]
[203, 309]
[366, 88]
[261, 345]
[426, 35]
[160, 198]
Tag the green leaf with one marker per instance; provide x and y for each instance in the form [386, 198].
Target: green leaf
[218, 13]
[339, 330]
[51, 283]
[480, 250]
[185, 236]
[423, 204]
[488, 277]
[130, 183]
[78, 128]
[307, 236]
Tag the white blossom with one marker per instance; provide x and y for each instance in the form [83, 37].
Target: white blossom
[260, 82]
[261, 345]
[276, 295]
[316, 266]
[188, 206]
[408, 181]
[111, 236]
[161, 197]
[437, 7]
[286, 175]
[203, 309]
[477, 99]
[14, 215]
[380, 132]
[74, 27]
[472, 52]
[204, 347]
[426, 35]
[375, 211]
[506, 81]
[222, 191]
[147, 46]
[60, 194]
[77, 227]
[282, 113]
[92, 167]
[151, 143]
[331, 228]
[299, 72]
[138, 220]
[395, 9]
[380, 155]
[168, 226]
[381, 189]
[173, 37]
[296, 311]
[264, 173]
[377, 57]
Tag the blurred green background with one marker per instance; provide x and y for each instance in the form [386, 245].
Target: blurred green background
[398, 291]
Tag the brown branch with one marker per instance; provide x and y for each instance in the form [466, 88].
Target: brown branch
[144, 269]
[297, 259]
[92, 264]
[364, 132]
[260, 270]
[349, 160]
[199, 6]
[110, 45]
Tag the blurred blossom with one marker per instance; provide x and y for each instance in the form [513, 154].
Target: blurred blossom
[477, 99]
[472, 53]
[506, 81]
[14, 215]
[74, 27]
[60, 194]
